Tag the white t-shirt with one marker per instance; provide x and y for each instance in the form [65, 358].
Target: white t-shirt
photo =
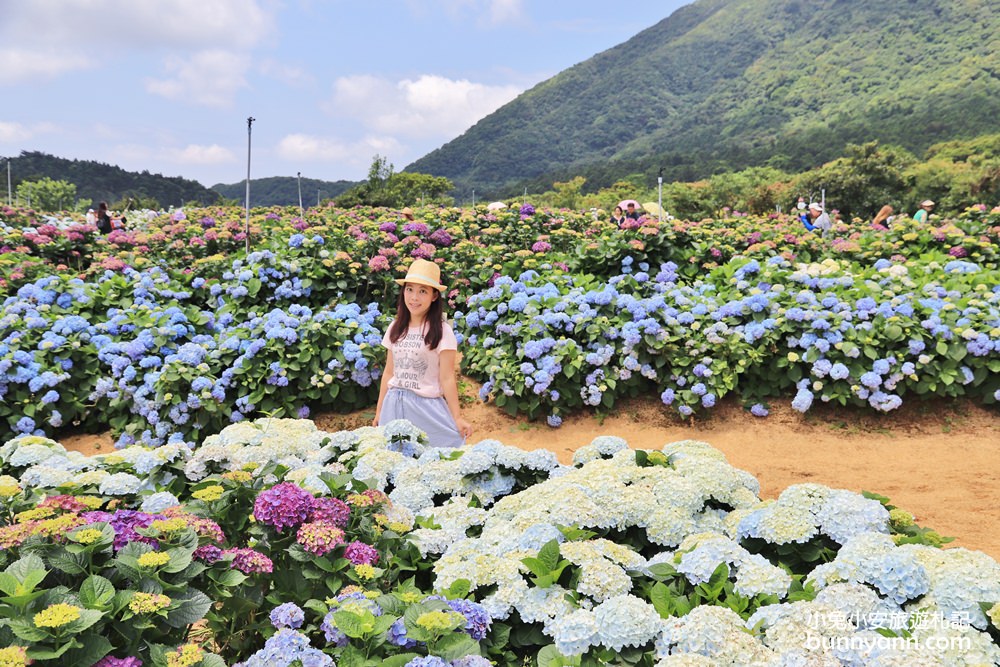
[415, 364]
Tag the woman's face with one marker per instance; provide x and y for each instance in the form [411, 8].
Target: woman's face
[419, 298]
[618, 211]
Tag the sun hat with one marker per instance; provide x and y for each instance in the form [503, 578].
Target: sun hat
[423, 272]
[407, 211]
[816, 207]
[927, 202]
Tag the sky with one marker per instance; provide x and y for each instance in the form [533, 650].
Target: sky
[167, 85]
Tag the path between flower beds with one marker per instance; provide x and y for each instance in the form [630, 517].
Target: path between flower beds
[937, 460]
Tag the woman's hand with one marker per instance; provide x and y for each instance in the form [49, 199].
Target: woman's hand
[464, 427]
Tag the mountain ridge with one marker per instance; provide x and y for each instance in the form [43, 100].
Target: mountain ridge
[727, 84]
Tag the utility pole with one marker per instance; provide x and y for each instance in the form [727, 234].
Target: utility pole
[246, 230]
[473, 199]
[8, 183]
[659, 192]
[301, 210]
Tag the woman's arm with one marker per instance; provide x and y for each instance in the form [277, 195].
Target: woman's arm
[383, 386]
[449, 387]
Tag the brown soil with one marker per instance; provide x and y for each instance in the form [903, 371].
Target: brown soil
[937, 459]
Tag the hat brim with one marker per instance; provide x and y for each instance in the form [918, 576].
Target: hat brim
[420, 281]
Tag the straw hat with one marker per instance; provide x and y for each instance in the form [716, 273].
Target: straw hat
[816, 207]
[926, 202]
[423, 272]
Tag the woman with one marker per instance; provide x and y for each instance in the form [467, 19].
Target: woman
[103, 218]
[418, 383]
[618, 217]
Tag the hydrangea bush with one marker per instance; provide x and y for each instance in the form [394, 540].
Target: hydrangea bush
[286, 543]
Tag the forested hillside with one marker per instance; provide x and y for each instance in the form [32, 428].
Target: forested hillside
[283, 190]
[724, 84]
[96, 181]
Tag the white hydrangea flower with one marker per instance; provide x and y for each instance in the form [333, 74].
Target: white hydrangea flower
[575, 633]
[626, 621]
[685, 660]
[90, 477]
[713, 633]
[959, 580]
[121, 484]
[308, 478]
[10, 447]
[157, 502]
[874, 559]
[45, 477]
[27, 455]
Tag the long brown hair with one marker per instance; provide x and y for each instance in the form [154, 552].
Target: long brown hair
[433, 320]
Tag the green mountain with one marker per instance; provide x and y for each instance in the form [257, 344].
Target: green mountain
[104, 182]
[283, 190]
[726, 84]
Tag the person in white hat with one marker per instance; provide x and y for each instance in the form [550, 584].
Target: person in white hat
[926, 208]
[816, 219]
[418, 382]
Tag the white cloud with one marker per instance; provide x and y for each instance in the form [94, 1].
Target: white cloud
[487, 13]
[208, 78]
[111, 24]
[428, 107]
[194, 154]
[45, 38]
[308, 148]
[18, 132]
[287, 74]
[18, 65]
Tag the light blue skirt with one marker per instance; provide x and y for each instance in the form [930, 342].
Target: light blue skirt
[430, 415]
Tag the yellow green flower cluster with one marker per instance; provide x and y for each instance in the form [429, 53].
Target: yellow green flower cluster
[148, 603]
[209, 493]
[9, 491]
[185, 656]
[365, 572]
[88, 536]
[169, 525]
[13, 656]
[57, 615]
[440, 621]
[239, 476]
[153, 559]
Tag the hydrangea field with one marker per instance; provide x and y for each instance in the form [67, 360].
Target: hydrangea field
[170, 331]
[274, 543]
[227, 529]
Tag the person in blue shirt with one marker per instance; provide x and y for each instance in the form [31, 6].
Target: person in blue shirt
[815, 219]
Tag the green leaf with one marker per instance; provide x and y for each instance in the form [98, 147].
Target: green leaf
[459, 588]
[454, 646]
[96, 592]
[8, 583]
[549, 554]
[25, 629]
[662, 601]
[22, 567]
[94, 647]
[193, 606]
[87, 618]
[354, 625]
[398, 660]
[941, 347]
[68, 562]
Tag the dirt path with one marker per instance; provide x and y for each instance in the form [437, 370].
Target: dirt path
[938, 460]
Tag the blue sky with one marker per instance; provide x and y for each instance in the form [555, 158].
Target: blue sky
[167, 85]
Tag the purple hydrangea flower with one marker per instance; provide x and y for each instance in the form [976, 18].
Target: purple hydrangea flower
[360, 553]
[287, 615]
[334, 510]
[284, 505]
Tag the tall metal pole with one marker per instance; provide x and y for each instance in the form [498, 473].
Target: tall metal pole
[473, 199]
[301, 210]
[8, 183]
[246, 230]
[659, 192]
